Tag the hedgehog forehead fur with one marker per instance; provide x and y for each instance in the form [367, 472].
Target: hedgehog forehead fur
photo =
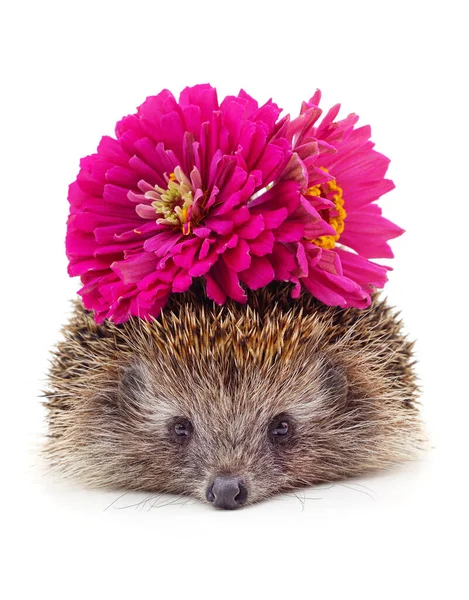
[342, 379]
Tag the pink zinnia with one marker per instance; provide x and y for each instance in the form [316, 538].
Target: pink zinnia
[225, 192]
[344, 176]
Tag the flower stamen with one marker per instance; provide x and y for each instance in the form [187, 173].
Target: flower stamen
[336, 216]
[175, 202]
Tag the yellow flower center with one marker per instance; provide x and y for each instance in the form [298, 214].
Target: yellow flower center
[336, 216]
[174, 203]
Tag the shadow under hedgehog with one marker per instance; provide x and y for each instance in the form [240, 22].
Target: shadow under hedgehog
[230, 343]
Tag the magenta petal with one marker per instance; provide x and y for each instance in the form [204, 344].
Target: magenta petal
[204, 96]
[111, 150]
[238, 258]
[146, 211]
[123, 177]
[301, 127]
[203, 266]
[182, 282]
[115, 194]
[220, 225]
[284, 194]
[367, 234]
[336, 290]
[329, 261]
[323, 291]
[106, 235]
[252, 228]
[268, 113]
[229, 241]
[85, 266]
[214, 291]
[274, 160]
[205, 247]
[263, 244]
[328, 119]
[315, 99]
[228, 280]
[259, 274]
[186, 258]
[290, 231]
[155, 106]
[273, 218]
[142, 232]
[361, 195]
[134, 268]
[162, 242]
[296, 290]
[283, 261]
[80, 244]
[361, 270]
[302, 261]
[295, 170]
[202, 232]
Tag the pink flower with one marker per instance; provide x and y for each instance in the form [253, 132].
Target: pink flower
[344, 177]
[228, 193]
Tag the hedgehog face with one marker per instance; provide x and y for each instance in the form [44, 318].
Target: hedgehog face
[233, 405]
[230, 437]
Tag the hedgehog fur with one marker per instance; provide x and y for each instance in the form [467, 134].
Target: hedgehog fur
[343, 381]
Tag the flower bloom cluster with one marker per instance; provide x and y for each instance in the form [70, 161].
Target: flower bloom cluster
[231, 193]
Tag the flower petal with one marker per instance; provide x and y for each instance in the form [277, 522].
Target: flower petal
[259, 274]
[238, 258]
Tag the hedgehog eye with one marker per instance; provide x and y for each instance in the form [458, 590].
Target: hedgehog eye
[181, 429]
[280, 429]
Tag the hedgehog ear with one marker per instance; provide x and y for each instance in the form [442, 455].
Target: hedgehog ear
[132, 387]
[333, 379]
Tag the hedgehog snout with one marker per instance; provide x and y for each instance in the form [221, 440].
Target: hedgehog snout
[227, 492]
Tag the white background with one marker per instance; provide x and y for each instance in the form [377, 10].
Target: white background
[69, 71]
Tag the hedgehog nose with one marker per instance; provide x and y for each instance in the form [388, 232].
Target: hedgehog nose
[227, 492]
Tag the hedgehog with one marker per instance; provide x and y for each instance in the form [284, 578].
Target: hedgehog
[232, 404]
